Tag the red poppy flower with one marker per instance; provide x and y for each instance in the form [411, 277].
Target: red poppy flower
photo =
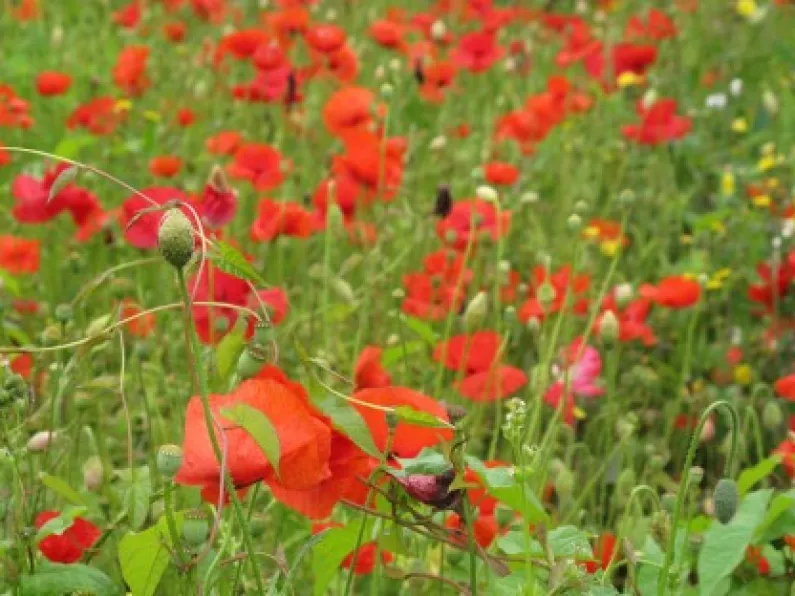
[241, 44]
[142, 326]
[347, 194]
[631, 320]
[470, 219]
[786, 450]
[477, 51]
[408, 440]
[18, 255]
[224, 143]
[14, 111]
[99, 116]
[500, 173]
[26, 10]
[658, 27]
[165, 166]
[325, 38]
[348, 109]
[288, 24]
[774, 285]
[5, 156]
[304, 438]
[258, 163]
[469, 353]
[626, 58]
[388, 34]
[603, 552]
[142, 233]
[659, 124]
[51, 83]
[276, 219]
[368, 372]
[675, 291]
[343, 64]
[275, 300]
[497, 383]
[785, 387]
[562, 283]
[22, 365]
[374, 163]
[439, 288]
[218, 202]
[185, 117]
[175, 31]
[33, 203]
[129, 73]
[365, 556]
[437, 78]
[753, 554]
[69, 546]
[128, 16]
[484, 528]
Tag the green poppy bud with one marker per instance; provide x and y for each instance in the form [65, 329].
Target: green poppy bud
[251, 361]
[195, 527]
[726, 499]
[175, 238]
[772, 416]
[476, 311]
[609, 327]
[169, 460]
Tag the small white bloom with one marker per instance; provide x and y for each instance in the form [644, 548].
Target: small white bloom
[487, 193]
[438, 30]
[716, 101]
[736, 87]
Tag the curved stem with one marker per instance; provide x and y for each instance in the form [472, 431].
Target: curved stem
[663, 582]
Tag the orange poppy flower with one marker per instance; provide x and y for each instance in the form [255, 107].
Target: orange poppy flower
[224, 143]
[140, 327]
[348, 109]
[675, 291]
[408, 439]
[19, 255]
[165, 166]
[304, 439]
[51, 83]
[368, 372]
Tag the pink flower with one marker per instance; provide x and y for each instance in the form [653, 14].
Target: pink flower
[577, 375]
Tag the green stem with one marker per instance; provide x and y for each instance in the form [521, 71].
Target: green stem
[664, 582]
[171, 522]
[193, 355]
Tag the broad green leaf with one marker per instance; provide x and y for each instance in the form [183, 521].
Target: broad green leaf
[426, 462]
[71, 146]
[61, 487]
[330, 551]
[8, 283]
[724, 545]
[55, 579]
[260, 428]
[144, 556]
[568, 541]
[228, 352]
[66, 176]
[650, 561]
[347, 420]
[401, 351]
[751, 476]
[779, 519]
[137, 492]
[511, 585]
[230, 260]
[414, 417]
[516, 543]
[422, 329]
[392, 538]
[58, 525]
[501, 484]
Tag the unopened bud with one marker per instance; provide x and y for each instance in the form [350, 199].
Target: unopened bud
[42, 440]
[574, 222]
[726, 499]
[175, 238]
[487, 193]
[476, 311]
[609, 327]
[93, 473]
[772, 417]
[251, 361]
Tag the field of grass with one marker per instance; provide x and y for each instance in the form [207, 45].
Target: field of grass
[372, 297]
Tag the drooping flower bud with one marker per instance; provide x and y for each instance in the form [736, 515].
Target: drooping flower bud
[726, 499]
[432, 489]
[42, 440]
[175, 238]
[169, 460]
[772, 416]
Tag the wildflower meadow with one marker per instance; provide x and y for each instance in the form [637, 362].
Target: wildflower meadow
[371, 297]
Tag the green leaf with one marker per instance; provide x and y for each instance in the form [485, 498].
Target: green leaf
[650, 561]
[401, 351]
[58, 525]
[260, 428]
[229, 260]
[779, 519]
[347, 420]
[331, 550]
[501, 484]
[751, 476]
[228, 352]
[137, 492]
[422, 329]
[9, 283]
[71, 146]
[568, 541]
[511, 585]
[516, 543]
[306, 547]
[65, 177]
[144, 556]
[55, 579]
[414, 417]
[724, 545]
[427, 461]
[62, 488]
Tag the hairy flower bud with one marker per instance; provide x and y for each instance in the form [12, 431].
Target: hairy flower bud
[175, 238]
[726, 499]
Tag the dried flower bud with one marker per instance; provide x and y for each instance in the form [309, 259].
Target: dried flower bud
[175, 238]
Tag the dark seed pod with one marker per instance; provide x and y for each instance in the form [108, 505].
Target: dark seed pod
[444, 201]
[725, 498]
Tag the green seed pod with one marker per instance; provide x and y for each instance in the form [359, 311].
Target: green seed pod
[251, 361]
[726, 499]
[175, 238]
[772, 416]
[169, 460]
[195, 527]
